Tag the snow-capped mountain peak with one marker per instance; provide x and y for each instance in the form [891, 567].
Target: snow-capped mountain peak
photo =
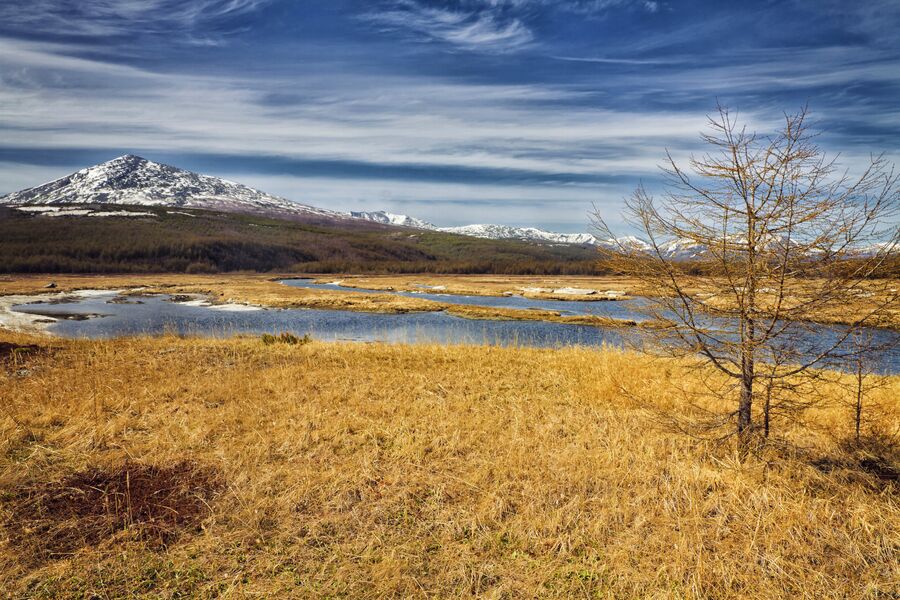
[628, 243]
[387, 218]
[489, 231]
[497, 232]
[132, 180]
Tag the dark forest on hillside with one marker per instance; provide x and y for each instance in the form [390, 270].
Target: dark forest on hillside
[211, 242]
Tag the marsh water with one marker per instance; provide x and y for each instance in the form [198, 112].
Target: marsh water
[618, 309]
[106, 314]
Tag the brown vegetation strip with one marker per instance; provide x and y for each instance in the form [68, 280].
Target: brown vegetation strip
[511, 314]
[19, 358]
[10, 352]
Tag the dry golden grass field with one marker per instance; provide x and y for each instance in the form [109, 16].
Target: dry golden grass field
[198, 468]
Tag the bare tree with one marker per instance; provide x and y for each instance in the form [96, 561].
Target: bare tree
[781, 238]
[864, 379]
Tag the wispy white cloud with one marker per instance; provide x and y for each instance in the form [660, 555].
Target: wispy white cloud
[581, 6]
[376, 120]
[119, 17]
[771, 70]
[876, 19]
[565, 208]
[486, 25]
[614, 61]
[476, 28]
[373, 119]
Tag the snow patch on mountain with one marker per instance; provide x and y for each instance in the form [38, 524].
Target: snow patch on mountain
[683, 250]
[493, 232]
[677, 250]
[387, 218]
[627, 243]
[500, 232]
[72, 211]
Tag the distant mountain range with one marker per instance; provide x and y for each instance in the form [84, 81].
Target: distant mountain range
[682, 250]
[491, 232]
[135, 181]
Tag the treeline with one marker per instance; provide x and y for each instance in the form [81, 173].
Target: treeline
[219, 242]
[523, 267]
[175, 264]
[889, 269]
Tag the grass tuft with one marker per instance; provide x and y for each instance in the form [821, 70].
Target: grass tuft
[285, 338]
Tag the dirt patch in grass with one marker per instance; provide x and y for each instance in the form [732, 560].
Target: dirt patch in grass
[15, 354]
[881, 469]
[878, 472]
[157, 504]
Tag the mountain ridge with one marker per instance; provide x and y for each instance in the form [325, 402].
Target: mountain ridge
[482, 230]
[681, 250]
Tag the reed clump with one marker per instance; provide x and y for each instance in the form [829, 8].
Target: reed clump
[374, 470]
[285, 338]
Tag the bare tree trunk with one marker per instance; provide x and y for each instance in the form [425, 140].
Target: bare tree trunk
[859, 396]
[768, 408]
[745, 415]
[748, 367]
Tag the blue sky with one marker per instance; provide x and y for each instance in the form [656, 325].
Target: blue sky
[522, 112]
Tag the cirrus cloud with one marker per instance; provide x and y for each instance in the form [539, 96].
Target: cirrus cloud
[118, 17]
[486, 25]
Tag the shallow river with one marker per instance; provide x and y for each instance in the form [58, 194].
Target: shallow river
[108, 317]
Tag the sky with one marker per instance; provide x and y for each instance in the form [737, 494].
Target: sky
[520, 112]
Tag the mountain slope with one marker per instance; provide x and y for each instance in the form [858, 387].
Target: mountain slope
[680, 250]
[132, 180]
